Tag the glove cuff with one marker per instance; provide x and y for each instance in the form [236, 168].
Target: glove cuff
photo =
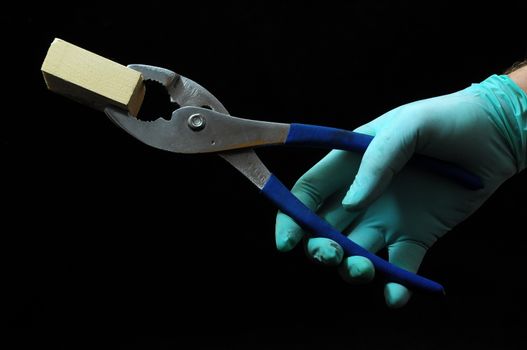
[510, 103]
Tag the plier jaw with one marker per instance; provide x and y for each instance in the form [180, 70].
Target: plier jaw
[161, 133]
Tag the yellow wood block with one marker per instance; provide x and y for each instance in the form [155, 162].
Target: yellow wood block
[91, 79]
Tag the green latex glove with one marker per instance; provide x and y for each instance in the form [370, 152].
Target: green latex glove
[378, 202]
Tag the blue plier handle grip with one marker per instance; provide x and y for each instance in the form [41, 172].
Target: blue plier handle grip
[323, 137]
[332, 138]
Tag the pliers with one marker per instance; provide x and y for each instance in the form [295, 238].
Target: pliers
[203, 125]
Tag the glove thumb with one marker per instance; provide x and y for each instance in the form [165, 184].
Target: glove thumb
[386, 155]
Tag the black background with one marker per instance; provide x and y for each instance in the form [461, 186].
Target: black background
[109, 243]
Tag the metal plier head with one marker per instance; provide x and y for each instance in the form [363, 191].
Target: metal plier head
[160, 133]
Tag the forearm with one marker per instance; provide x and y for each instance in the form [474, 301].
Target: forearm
[519, 75]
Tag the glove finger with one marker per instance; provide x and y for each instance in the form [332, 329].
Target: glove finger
[407, 255]
[328, 252]
[324, 250]
[358, 269]
[389, 151]
[331, 174]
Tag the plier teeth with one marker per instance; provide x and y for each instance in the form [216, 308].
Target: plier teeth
[163, 76]
[182, 90]
[157, 133]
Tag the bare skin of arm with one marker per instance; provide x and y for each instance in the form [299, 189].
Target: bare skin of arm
[519, 76]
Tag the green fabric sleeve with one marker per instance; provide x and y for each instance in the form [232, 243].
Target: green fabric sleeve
[509, 104]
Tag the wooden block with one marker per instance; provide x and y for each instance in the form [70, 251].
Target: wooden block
[91, 79]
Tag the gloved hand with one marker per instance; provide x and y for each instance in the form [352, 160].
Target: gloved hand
[378, 202]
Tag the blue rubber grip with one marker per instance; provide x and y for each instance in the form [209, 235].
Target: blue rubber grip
[332, 138]
[277, 193]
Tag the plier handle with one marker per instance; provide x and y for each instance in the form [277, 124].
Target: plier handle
[203, 125]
